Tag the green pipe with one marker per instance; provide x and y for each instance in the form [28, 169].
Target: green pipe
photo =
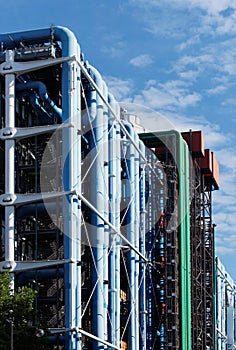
[184, 243]
[173, 140]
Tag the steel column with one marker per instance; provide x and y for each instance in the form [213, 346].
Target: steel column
[9, 159]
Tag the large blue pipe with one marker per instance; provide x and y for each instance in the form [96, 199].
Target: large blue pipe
[114, 217]
[131, 188]
[29, 209]
[30, 88]
[38, 36]
[117, 224]
[95, 104]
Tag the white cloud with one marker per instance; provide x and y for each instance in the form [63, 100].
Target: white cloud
[211, 6]
[168, 96]
[214, 60]
[216, 90]
[141, 60]
[192, 66]
[172, 99]
[214, 137]
[199, 17]
[225, 250]
[114, 44]
[114, 51]
[172, 95]
[227, 157]
[149, 83]
[224, 201]
[189, 42]
[230, 102]
[121, 89]
[189, 74]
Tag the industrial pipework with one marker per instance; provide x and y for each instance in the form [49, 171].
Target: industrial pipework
[94, 215]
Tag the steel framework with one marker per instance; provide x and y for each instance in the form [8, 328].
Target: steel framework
[95, 216]
[202, 255]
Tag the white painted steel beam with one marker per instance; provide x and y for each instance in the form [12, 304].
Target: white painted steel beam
[9, 159]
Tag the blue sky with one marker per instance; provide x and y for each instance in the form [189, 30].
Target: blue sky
[176, 57]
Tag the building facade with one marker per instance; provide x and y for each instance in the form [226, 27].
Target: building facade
[108, 223]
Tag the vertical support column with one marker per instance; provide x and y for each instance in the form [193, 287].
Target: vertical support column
[143, 318]
[114, 216]
[136, 237]
[117, 224]
[112, 273]
[106, 212]
[97, 224]
[208, 254]
[77, 184]
[131, 189]
[9, 159]
[131, 254]
[219, 304]
[71, 205]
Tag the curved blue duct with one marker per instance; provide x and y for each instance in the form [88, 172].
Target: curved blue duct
[70, 48]
[29, 89]
[42, 208]
[37, 36]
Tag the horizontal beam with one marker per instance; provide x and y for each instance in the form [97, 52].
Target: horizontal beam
[8, 199]
[19, 68]
[21, 133]
[18, 266]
